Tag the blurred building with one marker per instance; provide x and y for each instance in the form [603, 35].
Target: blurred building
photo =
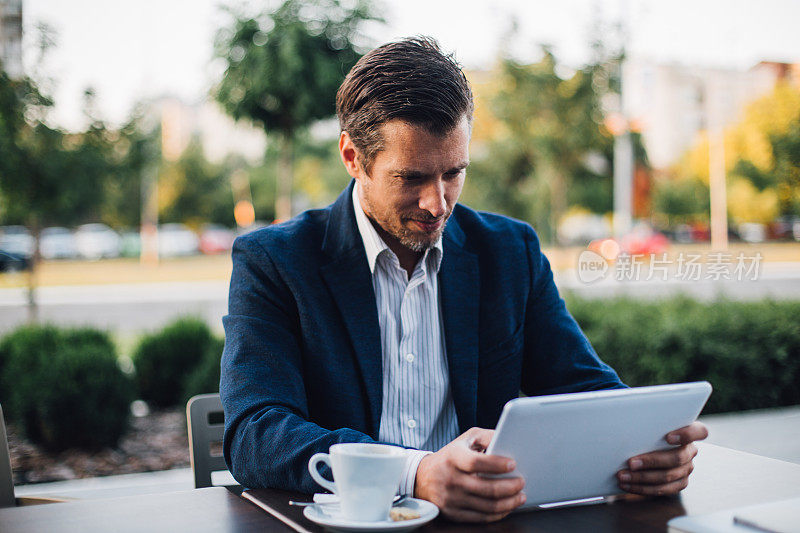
[219, 135]
[11, 37]
[669, 103]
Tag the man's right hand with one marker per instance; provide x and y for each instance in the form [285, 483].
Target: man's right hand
[451, 479]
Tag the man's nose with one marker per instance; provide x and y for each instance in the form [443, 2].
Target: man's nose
[432, 199]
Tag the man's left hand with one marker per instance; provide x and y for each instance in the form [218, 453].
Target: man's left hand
[664, 472]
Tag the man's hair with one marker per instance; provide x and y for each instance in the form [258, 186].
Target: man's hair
[411, 80]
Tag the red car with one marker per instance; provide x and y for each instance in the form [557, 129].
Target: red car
[216, 239]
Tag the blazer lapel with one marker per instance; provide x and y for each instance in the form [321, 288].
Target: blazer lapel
[459, 293]
[350, 282]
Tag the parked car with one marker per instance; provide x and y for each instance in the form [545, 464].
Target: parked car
[752, 232]
[176, 240]
[96, 241]
[644, 240]
[57, 243]
[16, 240]
[683, 234]
[215, 239]
[130, 243]
[580, 228]
[10, 262]
[781, 229]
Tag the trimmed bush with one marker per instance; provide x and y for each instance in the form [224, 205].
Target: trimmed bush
[205, 377]
[26, 352]
[65, 388]
[748, 351]
[165, 360]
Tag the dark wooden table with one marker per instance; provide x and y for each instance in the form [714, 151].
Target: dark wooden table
[723, 479]
[200, 510]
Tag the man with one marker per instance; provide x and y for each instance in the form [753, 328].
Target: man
[400, 316]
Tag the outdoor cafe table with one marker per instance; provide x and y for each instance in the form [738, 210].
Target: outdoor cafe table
[723, 479]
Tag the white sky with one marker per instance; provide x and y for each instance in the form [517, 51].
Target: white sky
[130, 50]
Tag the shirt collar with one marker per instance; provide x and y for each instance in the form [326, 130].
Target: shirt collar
[374, 245]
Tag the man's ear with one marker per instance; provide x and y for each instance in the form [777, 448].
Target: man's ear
[349, 155]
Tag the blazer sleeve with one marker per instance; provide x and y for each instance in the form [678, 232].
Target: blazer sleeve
[558, 356]
[268, 439]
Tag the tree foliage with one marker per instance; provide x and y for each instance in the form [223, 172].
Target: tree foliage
[135, 148]
[193, 190]
[47, 176]
[535, 128]
[762, 158]
[283, 69]
[681, 201]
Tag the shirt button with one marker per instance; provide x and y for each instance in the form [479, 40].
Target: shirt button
[412, 423]
[410, 357]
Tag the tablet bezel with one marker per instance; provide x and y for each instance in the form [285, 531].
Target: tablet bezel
[619, 424]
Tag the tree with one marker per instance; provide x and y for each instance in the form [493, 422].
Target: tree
[538, 134]
[47, 175]
[762, 158]
[681, 201]
[135, 148]
[193, 190]
[283, 70]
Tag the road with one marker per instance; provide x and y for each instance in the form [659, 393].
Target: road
[132, 308]
[122, 308]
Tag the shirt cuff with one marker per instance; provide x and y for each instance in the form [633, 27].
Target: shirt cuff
[413, 458]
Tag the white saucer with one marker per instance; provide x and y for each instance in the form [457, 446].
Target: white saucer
[329, 516]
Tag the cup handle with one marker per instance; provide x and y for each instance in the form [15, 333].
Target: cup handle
[312, 469]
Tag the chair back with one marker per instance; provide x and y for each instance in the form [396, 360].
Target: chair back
[206, 425]
[6, 474]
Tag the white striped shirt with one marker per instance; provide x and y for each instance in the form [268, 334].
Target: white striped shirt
[417, 409]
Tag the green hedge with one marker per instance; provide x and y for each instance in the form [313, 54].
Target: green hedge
[175, 361]
[205, 377]
[748, 351]
[63, 387]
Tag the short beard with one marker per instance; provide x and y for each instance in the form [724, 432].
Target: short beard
[406, 237]
[414, 243]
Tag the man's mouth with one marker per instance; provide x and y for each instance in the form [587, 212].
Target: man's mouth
[429, 226]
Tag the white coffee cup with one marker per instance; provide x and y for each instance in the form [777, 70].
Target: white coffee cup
[366, 477]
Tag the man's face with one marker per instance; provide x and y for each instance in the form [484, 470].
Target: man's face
[414, 182]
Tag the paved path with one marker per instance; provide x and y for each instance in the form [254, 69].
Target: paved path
[122, 308]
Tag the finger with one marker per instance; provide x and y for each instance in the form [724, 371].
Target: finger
[482, 438]
[685, 435]
[490, 506]
[472, 462]
[490, 488]
[655, 477]
[663, 458]
[657, 490]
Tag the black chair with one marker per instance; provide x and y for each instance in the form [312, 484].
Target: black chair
[206, 424]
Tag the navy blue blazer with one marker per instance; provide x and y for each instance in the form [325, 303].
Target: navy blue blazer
[301, 369]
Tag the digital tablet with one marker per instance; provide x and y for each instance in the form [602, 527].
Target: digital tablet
[570, 446]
